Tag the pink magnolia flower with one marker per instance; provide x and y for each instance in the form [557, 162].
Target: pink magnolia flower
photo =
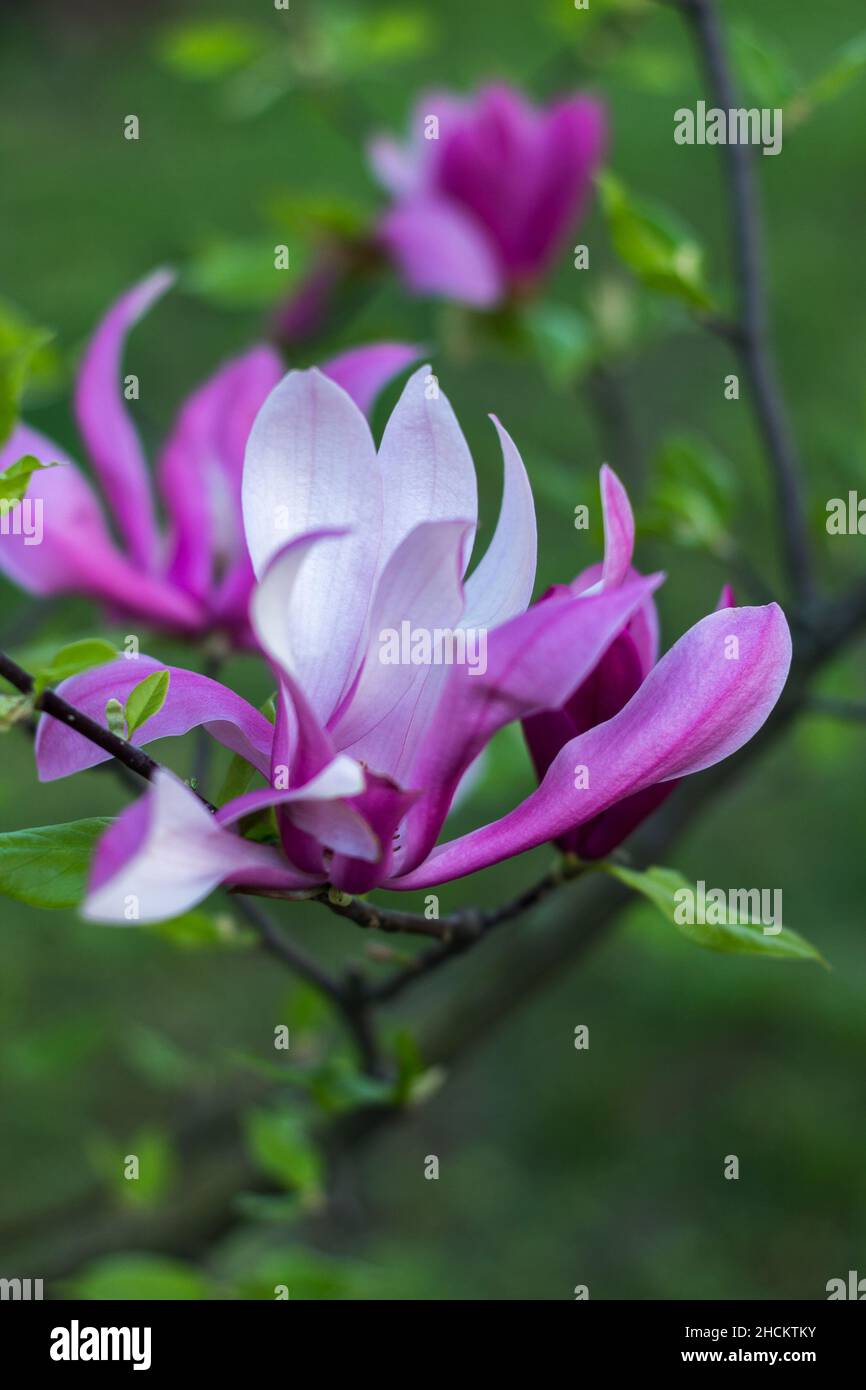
[486, 190]
[607, 689]
[197, 576]
[365, 756]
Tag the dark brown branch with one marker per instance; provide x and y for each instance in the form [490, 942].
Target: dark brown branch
[465, 927]
[749, 336]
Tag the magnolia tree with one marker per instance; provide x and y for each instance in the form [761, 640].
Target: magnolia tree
[396, 647]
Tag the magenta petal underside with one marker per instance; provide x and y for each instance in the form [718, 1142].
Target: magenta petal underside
[192, 701]
[707, 697]
[442, 250]
[105, 424]
[534, 662]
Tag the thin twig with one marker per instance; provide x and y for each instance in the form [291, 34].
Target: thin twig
[853, 711]
[749, 336]
[347, 995]
[466, 926]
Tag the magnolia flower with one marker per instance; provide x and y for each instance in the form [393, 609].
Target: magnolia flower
[365, 756]
[607, 689]
[198, 576]
[486, 190]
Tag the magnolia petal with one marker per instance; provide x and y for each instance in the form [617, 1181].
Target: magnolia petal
[383, 806]
[364, 371]
[63, 545]
[427, 469]
[726, 598]
[311, 463]
[534, 662]
[111, 438]
[419, 592]
[618, 529]
[192, 701]
[342, 777]
[502, 583]
[706, 697]
[201, 465]
[167, 852]
[442, 250]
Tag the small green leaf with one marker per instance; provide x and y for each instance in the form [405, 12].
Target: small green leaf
[562, 340]
[48, 865]
[312, 214]
[204, 50]
[152, 1148]
[115, 719]
[282, 1149]
[765, 72]
[13, 709]
[693, 495]
[654, 245]
[198, 930]
[242, 274]
[239, 775]
[72, 660]
[145, 700]
[20, 347]
[849, 64]
[139, 1277]
[15, 479]
[663, 886]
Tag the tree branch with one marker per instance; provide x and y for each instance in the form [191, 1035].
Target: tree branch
[749, 336]
[853, 711]
[347, 996]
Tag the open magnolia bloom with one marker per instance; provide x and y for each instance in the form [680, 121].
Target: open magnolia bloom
[486, 189]
[360, 561]
[198, 576]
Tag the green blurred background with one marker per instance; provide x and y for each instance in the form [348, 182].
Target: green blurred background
[557, 1167]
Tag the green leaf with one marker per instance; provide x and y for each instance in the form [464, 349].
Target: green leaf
[71, 660]
[311, 214]
[239, 775]
[48, 865]
[204, 50]
[156, 1166]
[765, 72]
[662, 887]
[115, 719]
[561, 339]
[15, 479]
[282, 1149]
[145, 700]
[348, 42]
[14, 708]
[141, 1277]
[654, 245]
[199, 930]
[242, 274]
[847, 66]
[693, 496]
[20, 346]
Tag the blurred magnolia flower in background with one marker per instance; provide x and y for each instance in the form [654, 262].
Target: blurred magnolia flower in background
[364, 758]
[197, 576]
[486, 190]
